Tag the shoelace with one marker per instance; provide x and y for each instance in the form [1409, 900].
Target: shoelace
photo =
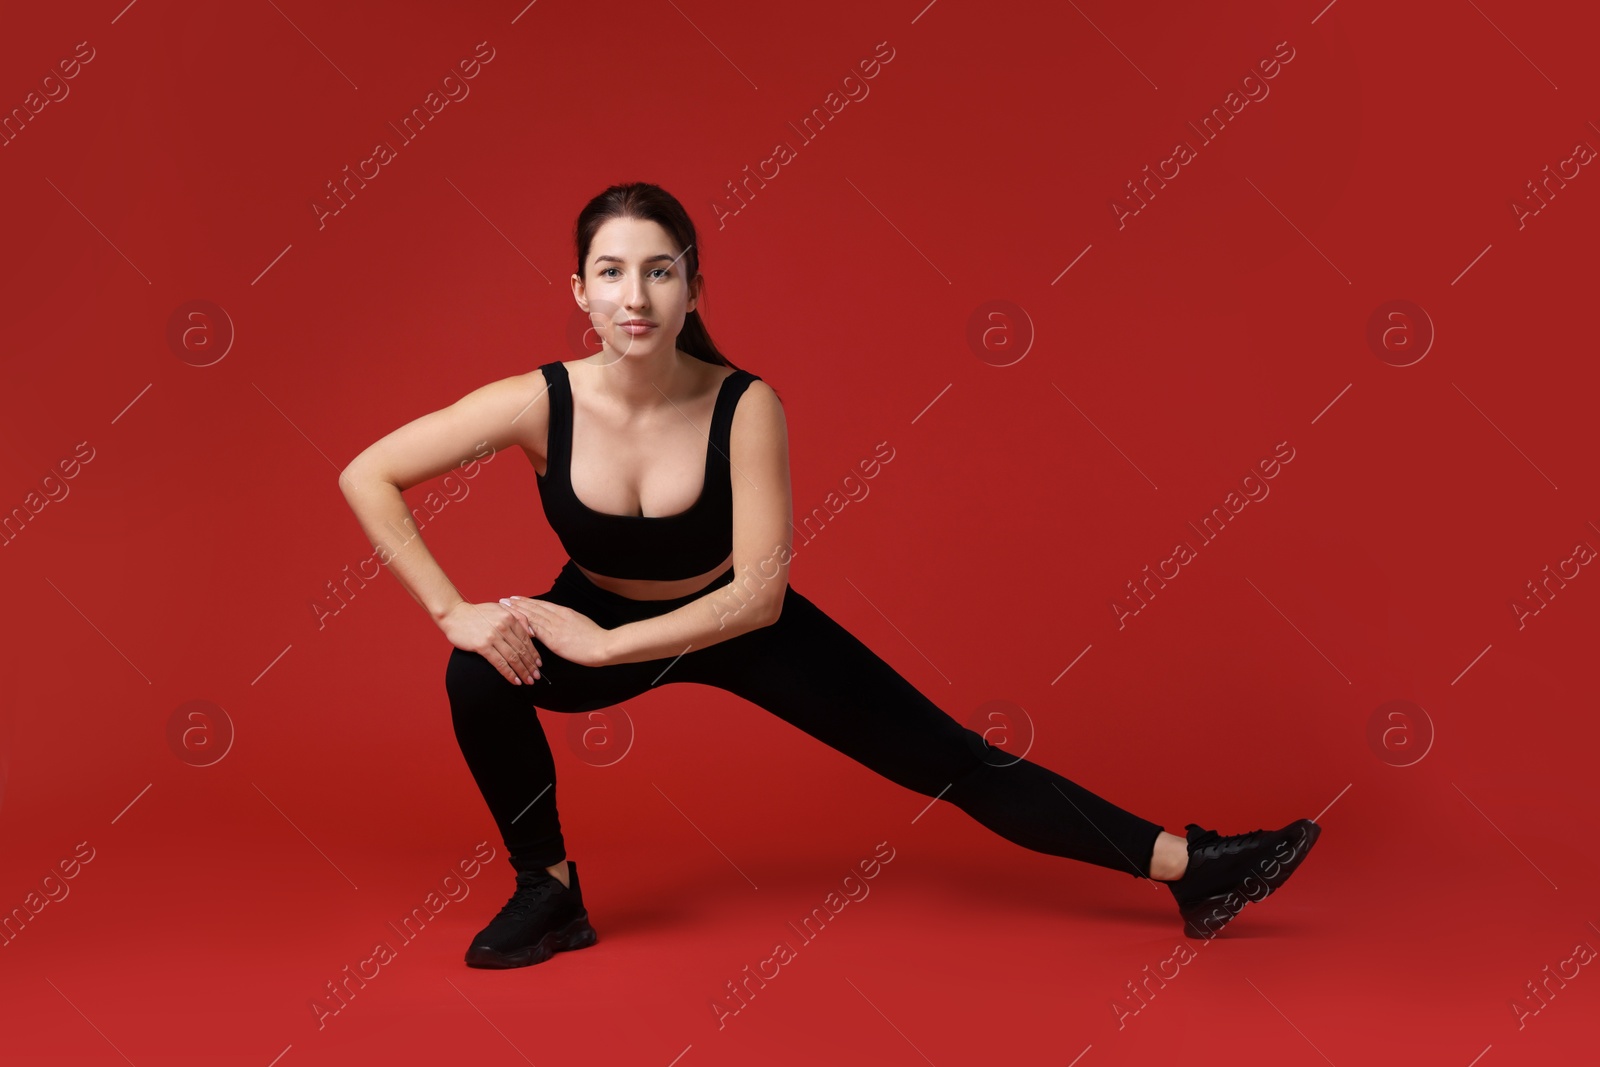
[1199, 839]
[527, 895]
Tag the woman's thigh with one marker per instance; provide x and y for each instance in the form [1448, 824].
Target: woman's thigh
[562, 686]
[815, 675]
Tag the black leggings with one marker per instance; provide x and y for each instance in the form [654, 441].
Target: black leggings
[809, 671]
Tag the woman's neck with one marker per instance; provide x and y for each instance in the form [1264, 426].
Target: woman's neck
[642, 382]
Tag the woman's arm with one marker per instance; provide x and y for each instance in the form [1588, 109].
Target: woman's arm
[762, 508]
[512, 411]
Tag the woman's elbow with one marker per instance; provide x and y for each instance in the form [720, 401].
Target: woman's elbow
[350, 478]
[357, 475]
[772, 603]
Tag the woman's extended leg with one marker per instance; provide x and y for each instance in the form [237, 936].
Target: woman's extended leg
[815, 675]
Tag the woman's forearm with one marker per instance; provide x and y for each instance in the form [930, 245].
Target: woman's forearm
[386, 520]
[723, 613]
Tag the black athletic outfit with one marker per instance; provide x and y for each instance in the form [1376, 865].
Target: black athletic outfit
[805, 668]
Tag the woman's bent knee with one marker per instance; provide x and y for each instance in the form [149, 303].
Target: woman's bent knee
[470, 679]
[476, 685]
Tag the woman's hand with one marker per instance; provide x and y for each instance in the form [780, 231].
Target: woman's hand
[498, 634]
[570, 634]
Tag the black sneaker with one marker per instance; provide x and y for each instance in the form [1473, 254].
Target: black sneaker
[542, 917]
[1226, 873]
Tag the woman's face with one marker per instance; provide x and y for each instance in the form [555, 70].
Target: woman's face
[634, 272]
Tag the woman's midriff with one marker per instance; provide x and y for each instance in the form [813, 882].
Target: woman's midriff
[653, 589]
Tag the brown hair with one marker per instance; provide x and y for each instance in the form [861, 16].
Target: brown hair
[642, 200]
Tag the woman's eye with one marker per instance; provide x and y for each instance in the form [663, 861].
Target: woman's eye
[663, 271]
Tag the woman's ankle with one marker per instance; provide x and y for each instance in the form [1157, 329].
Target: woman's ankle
[1170, 857]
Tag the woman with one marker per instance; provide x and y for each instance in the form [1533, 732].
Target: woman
[679, 573]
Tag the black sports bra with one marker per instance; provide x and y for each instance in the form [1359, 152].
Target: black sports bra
[659, 547]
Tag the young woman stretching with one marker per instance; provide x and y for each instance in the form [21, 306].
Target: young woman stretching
[665, 475]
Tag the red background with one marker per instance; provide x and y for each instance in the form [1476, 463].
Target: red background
[1230, 314]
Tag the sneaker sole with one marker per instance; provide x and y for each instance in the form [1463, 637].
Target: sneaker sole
[576, 934]
[1205, 917]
